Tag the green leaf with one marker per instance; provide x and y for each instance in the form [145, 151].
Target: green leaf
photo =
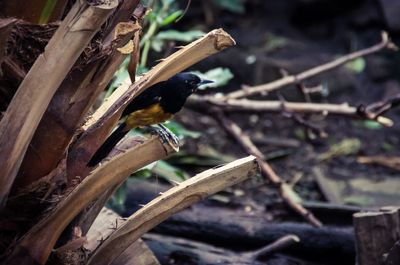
[47, 11]
[171, 18]
[236, 6]
[371, 125]
[175, 35]
[170, 172]
[220, 76]
[356, 66]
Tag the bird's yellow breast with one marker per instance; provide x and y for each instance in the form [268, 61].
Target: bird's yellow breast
[148, 116]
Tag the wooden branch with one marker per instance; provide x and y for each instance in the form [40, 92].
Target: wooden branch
[35, 92]
[170, 202]
[105, 118]
[286, 192]
[39, 241]
[376, 233]
[279, 106]
[293, 79]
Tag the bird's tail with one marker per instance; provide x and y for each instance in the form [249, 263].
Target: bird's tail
[108, 145]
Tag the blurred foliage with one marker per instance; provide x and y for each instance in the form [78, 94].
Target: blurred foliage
[357, 66]
[369, 124]
[274, 42]
[236, 6]
[388, 147]
[173, 35]
[220, 76]
[163, 13]
[117, 201]
[47, 11]
[180, 131]
[348, 146]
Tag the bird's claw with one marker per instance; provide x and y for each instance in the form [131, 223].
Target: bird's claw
[165, 134]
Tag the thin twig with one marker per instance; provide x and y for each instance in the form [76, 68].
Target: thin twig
[293, 79]
[286, 192]
[277, 245]
[296, 107]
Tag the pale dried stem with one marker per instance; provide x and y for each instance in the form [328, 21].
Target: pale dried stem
[293, 79]
[276, 246]
[171, 202]
[280, 106]
[36, 90]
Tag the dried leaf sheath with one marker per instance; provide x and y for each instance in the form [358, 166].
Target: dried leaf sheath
[35, 92]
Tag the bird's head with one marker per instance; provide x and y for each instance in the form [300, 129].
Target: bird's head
[189, 81]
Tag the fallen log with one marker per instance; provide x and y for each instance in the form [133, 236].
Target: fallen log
[240, 230]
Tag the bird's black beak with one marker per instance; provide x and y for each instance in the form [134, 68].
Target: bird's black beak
[203, 82]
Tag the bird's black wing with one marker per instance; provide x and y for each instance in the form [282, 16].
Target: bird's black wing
[150, 96]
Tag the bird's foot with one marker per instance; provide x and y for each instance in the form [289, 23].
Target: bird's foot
[165, 134]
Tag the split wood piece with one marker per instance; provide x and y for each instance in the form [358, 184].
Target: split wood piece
[295, 79]
[37, 244]
[173, 201]
[106, 222]
[279, 106]
[376, 233]
[35, 92]
[98, 127]
[172, 250]
[286, 192]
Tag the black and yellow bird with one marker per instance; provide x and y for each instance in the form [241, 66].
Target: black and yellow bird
[156, 104]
